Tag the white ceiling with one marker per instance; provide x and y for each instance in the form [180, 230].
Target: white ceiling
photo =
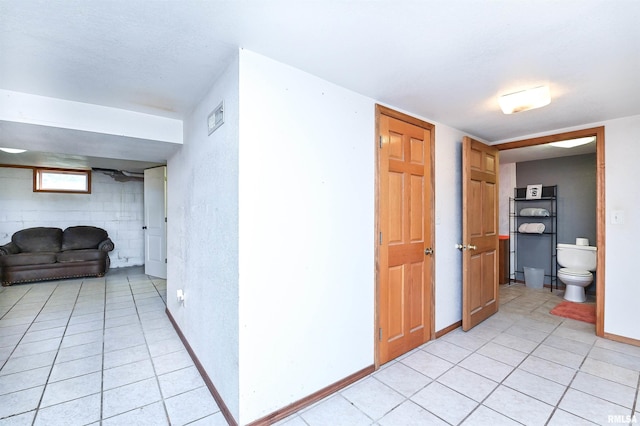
[444, 60]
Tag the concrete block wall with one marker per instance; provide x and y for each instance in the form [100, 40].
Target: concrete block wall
[117, 207]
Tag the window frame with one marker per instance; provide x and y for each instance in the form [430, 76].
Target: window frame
[39, 171]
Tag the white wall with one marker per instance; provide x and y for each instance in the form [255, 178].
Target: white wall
[507, 184]
[622, 291]
[306, 234]
[448, 267]
[202, 236]
[117, 207]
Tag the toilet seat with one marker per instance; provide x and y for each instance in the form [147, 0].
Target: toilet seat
[578, 273]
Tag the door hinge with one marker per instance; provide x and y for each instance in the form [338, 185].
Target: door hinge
[165, 220]
[380, 238]
[380, 141]
[380, 334]
[165, 260]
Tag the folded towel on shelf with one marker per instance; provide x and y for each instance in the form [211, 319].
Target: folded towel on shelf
[531, 228]
[534, 211]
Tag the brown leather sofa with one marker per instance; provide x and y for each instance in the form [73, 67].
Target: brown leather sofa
[37, 254]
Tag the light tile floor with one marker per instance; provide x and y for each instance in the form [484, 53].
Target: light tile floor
[96, 351]
[521, 366]
[102, 351]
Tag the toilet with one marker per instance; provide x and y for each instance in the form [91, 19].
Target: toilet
[577, 261]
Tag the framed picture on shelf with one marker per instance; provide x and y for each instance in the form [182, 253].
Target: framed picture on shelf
[534, 192]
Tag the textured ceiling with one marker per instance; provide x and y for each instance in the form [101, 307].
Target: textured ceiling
[444, 60]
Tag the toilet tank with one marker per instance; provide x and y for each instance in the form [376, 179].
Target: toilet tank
[577, 257]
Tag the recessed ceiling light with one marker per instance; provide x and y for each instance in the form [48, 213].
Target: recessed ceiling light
[571, 143]
[13, 150]
[525, 100]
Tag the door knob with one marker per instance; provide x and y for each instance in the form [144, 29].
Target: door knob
[428, 251]
[144, 227]
[470, 247]
[462, 247]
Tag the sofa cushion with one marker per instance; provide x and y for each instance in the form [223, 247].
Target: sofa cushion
[37, 240]
[82, 237]
[23, 259]
[80, 255]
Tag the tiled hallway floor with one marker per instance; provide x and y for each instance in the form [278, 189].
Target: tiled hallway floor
[521, 366]
[102, 351]
[96, 351]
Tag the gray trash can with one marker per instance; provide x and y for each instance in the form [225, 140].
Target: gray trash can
[533, 277]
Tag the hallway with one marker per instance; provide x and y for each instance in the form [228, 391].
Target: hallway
[101, 351]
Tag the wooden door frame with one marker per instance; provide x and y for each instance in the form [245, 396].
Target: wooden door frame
[598, 132]
[382, 110]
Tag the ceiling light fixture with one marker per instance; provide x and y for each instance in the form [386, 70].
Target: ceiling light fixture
[13, 150]
[525, 100]
[571, 143]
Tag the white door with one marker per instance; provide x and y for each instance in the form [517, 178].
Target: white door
[155, 222]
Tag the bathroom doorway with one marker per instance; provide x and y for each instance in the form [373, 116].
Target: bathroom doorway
[598, 133]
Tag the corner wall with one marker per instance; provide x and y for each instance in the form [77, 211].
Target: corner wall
[306, 234]
[117, 207]
[202, 236]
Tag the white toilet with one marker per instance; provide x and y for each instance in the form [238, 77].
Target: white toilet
[577, 261]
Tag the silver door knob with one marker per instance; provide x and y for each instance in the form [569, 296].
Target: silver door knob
[428, 251]
[461, 247]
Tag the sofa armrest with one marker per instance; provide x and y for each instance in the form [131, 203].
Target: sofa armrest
[9, 248]
[106, 245]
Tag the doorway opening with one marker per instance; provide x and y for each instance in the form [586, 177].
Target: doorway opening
[598, 133]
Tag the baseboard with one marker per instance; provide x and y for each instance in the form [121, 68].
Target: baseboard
[313, 398]
[622, 339]
[207, 380]
[449, 329]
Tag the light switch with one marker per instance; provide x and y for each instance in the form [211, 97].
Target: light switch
[617, 217]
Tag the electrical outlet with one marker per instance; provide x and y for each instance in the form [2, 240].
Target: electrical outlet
[180, 296]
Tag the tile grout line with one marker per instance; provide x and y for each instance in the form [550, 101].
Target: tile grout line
[501, 383]
[46, 384]
[408, 398]
[55, 299]
[27, 329]
[104, 330]
[146, 343]
[635, 405]
[568, 386]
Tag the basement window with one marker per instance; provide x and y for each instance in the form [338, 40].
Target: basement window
[62, 180]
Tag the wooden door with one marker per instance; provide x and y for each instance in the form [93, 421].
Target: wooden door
[479, 232]
[405, 233]
[155, 225]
